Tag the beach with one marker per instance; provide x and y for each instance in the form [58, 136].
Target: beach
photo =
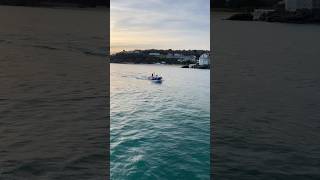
[266, 100]
[53, 76]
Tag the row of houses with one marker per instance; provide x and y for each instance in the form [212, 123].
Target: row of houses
[204, 59]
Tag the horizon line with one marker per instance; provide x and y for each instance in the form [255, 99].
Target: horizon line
[158, 49]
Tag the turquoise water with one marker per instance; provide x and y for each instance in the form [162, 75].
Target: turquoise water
[159, 131]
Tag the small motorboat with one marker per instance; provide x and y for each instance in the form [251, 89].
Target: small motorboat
[157, 79]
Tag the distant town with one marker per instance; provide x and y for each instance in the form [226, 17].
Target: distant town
[187, 58]
[288, 11]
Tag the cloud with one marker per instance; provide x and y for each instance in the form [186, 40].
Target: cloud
[144, 24]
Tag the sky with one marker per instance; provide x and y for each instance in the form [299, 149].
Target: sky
[159, 24]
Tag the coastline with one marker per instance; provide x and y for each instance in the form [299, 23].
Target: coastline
[184, 58]
[302, 16]
[179, 65]
[148, 64]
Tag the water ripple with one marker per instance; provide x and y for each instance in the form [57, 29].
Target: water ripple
[159, 131]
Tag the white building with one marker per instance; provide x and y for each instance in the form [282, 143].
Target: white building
[136, 51]
[293, 5]
[154, 54]
[177, 55]
[169, 56]
[204, 59]
[190, 58]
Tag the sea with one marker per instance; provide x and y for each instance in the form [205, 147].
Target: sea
[159, 130]
[53, 94]
[266, 111]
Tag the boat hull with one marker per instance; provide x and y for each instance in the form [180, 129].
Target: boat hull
[155, 79]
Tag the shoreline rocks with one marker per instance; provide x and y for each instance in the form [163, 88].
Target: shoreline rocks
[299, 17]
[196, 66]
